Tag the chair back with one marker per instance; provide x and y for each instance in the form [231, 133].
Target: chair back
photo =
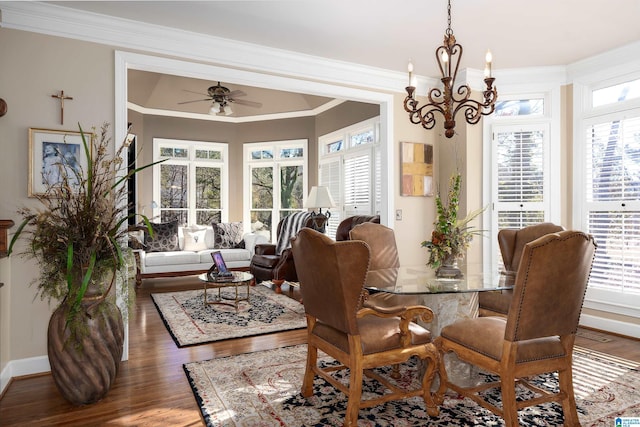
[382, 244]
[512, 241]
[347, 224]
[332, 277]
[550, 285]
[289, 226]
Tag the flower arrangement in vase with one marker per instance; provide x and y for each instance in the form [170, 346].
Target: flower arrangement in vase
[451, 236]
[78, 237]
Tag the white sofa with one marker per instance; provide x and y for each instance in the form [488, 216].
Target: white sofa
[189, 262]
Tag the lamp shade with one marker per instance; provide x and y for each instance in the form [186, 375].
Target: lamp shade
[319, 197]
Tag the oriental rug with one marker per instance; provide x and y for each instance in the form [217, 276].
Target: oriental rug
[263, 389]
[191, 322]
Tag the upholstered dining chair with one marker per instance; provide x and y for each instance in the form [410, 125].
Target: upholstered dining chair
[382, 244]
[359, 337]
[384, 261]
[275, 261]
[511, 242]
[536, 337]
[347, 224]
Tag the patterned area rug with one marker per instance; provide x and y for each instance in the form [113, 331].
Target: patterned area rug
[190, 322]
[263, 389]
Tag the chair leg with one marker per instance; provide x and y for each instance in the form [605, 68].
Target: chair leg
[312, 360]
[432, 364]
[395, 371]
[565, 378]
[355, 395]
[278, 284]
[442, 373]
[509, 409]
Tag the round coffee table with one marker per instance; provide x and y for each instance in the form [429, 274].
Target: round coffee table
[239, 278]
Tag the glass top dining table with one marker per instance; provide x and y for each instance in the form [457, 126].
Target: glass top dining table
[422, 280]
[449, 299]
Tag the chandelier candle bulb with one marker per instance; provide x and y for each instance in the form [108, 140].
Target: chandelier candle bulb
[410, 69]
[488, 58]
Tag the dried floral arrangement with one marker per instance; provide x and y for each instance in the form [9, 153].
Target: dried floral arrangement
[450, 237]
[79, 234]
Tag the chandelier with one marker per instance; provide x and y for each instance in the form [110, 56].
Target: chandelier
[446, 101]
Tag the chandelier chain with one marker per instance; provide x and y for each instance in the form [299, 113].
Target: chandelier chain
[449, 30]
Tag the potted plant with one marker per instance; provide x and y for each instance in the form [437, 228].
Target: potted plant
[451, 236]
[78, 237]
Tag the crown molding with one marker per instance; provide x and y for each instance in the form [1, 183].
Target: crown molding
[606, 65]
[230, 119]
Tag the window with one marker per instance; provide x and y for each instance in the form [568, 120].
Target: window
[612, 201]
[521, 170]
[607, 164]
[350, 167]
[616, 93]
[191, 185]
[276, 179]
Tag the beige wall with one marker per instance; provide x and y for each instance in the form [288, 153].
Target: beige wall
[32, 69]
[417, 212]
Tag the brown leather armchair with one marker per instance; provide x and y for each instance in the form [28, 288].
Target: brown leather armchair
[267, 265]
[511, 242]
[536, 337]
[342, 232]
[358, 335]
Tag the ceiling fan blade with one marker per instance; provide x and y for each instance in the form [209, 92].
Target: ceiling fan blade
[199, 93]
[196, 100]
[247, 103]
[236, 93]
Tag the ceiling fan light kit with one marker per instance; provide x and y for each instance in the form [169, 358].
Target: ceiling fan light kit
[446, 101]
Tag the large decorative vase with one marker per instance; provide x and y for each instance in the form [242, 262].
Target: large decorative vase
[449, 269]
[84, 364]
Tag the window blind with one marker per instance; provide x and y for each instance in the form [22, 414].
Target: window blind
[612, 172]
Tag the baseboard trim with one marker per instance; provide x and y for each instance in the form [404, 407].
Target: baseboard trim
[609, 325]
[23, 367]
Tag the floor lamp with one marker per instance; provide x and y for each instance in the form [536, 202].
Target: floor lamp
[319, 197]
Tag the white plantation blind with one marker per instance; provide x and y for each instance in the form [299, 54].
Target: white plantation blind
[612, 201]
[520, 166]
[330, 177]
[357, 184]
[520, 186]
[350, 166]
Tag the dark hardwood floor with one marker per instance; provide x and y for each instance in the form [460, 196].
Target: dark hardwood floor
[151, 388]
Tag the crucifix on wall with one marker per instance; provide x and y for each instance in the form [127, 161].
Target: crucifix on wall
[62, 98]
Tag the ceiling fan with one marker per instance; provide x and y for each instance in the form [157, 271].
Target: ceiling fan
[222, 97]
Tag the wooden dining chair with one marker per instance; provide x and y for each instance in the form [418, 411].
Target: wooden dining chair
[332, 277]
[511, 242]
[538, 334]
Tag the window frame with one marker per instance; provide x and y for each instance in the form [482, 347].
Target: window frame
[349, 151]
[192, 163]
[586, 115]
[550, 91]
[277, 162]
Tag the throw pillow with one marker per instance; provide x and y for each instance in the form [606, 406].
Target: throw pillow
[194, 239]
[228, 235]
[165, 237]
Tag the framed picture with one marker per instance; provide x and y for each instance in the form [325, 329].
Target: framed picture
[47, 148]
[417, 169]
